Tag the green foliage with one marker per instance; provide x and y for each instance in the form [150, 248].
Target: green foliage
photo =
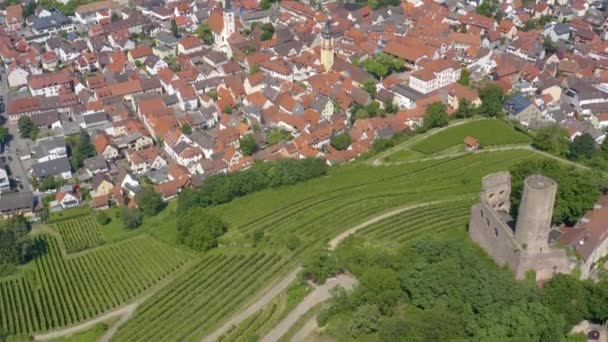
[435, 116]
[4, 136]
[267, 31]
[199, 230]
[380, 287]
[276, 136]
[341, 141]
[213, 94]
[491, 100]
[465, 110]
[319, 266]
[293, 242]
[393, 329]
[566, 295]
[16, 247]
[465, 76]
[51, 183]
[27, 128]
[366, 320]
[265, 4]
[583, 147]
[81, 148]
[204, 33]
[174, 29]
[370, 87]
[224, 188]
[248, 145]
[382, 64]
[376, 4]
[149, 201]
[81, 233]
[552, 138]
[487, 8]
[131, 218]
[186, 129]
[102, 218]
[577, 191]
[489, 132]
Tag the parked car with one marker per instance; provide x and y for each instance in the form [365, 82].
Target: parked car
[22, 89]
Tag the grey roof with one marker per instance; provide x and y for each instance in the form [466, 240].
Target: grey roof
[203, 139]
[561, 29]
[517, 104]
[52, 167]
[45, 145]
[16, 200]
[53, 21]
[96, 118]
[257, 15]
[128, 139]
[95, 163]
[407, 92]
[166, 38]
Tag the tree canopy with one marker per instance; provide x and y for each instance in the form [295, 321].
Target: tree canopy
[382, 64]
[16, 246]
[199, 229]
[204, 33]
[491, 100]
[81, 148]
[435, 116]
[248, 145]
[27, 128]
[552, 138]
[341, 141]
[583, 147]
[149, 201]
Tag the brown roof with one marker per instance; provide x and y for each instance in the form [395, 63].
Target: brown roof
[189, 42]
[14, 14]
[95, 6]
[216, 21]
[470, 141]
[589, 233]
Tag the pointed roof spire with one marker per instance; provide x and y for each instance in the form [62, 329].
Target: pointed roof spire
[227, 5]
[327, 29]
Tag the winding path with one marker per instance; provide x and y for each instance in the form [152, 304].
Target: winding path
[318, 295]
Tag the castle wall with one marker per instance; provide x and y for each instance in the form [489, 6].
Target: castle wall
[493, 235]
[546, 265]
[535, 211]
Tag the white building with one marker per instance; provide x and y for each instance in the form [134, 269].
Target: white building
[434, 75]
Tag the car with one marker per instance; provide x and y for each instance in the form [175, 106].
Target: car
[1, 107]
[22, 89]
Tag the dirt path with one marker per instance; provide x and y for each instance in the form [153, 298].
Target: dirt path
[256, 306]
[306, 330]
[126, 310]
[114, 328]
[318, 295]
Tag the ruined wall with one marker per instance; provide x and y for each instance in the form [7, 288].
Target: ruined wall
[546, 265]
[493, 236]
[496, 190]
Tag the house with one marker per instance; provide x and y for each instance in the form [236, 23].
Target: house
[5, 183]
[52, 23]
[434, 74]
[17, 203]
[154, 64]
[105, 146]
[14, 17]
[94, 12]
[59, 167]
[16, 76]
[521, 109]
[50, 148]
[142, 161]
[136, 141]
[189, 45]
[471, 144]
[95, 165]
[66, 197]
[101, 185]
[48, 85]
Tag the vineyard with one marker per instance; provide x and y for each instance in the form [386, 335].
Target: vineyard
[433, 219]
[193, 304]
[67, 290]
[317, 211]
[490, 132]
[80, 234]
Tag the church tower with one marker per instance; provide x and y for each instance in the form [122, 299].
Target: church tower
[327, 46]
[229, 25]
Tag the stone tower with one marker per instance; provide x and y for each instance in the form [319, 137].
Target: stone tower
[535, 212]
[229, 25]
[327, 46]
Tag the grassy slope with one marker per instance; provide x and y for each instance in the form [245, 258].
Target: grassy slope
[490, 132]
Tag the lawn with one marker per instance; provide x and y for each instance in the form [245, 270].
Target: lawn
[489, 132]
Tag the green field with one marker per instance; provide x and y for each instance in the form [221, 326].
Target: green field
[489, 132]
[80, 234]
[67, 290]
[189, 307]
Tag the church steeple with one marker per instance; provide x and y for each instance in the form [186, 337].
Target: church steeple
[327, 46]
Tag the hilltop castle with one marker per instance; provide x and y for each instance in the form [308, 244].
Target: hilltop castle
[525, 245]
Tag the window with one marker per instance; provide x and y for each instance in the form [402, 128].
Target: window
[481, 212]
[496, 231]
[488, 221]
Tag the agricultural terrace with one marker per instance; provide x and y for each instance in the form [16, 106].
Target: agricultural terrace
[66, 290]
[433, 218]
[80, 234]
[489, 132]
[197, 301]
[314, 212]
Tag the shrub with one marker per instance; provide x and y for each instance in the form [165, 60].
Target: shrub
[102, 218]
[199, 229]
[131, 218]
[341, 141]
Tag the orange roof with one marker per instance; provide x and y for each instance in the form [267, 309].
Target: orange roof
[470, 141]
[216, 21]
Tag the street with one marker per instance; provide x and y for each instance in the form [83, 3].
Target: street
[15, 166]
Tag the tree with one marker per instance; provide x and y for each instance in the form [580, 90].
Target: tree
[363, 114]
[16, 246]
[393, 329]
[341, 141]
[131, 218]
[149, 201]
[265, 4]
[26, 127]
[213, 94]
[204, 33]
[379, 286]
[435, 116]
[370, 87]
[81, 149]
[102, 218]
[583, 147]
[604, 148]
[248, 145]
[566, 295]
[186, 129]
[199, 229]
[320, 265]
[491, 100]
[552, 138]
[115, 17]
[365, 320]
[4, 136]
[465, 110]
[464, 77]
[174, 28]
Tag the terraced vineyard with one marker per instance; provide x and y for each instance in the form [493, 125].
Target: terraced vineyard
[73, 289]
[252, 327]
[433, 218]
[80, 234]
[197, 301]
[489, 132]
[319, 210]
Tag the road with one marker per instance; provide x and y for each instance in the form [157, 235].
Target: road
[256, 306]
[318, 295]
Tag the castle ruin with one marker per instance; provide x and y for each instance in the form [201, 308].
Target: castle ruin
[523, 246]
